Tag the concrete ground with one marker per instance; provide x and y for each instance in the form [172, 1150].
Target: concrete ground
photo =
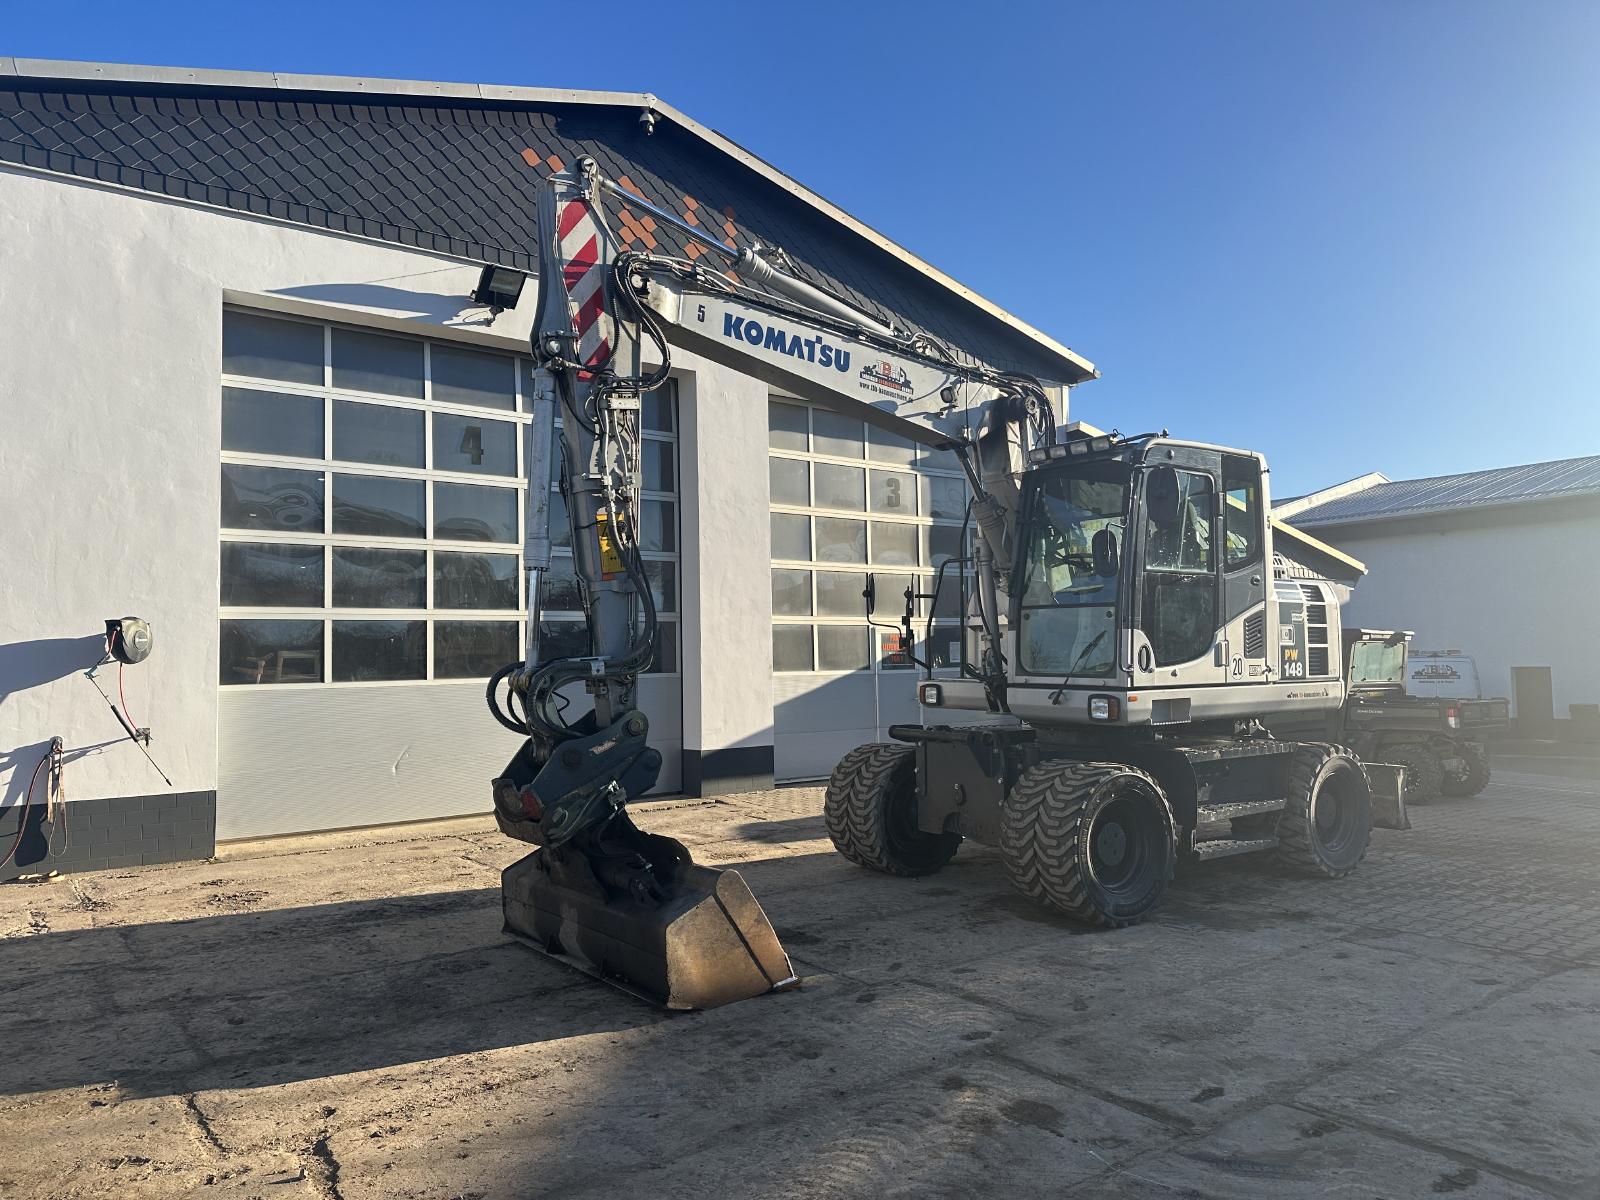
[339, 1016]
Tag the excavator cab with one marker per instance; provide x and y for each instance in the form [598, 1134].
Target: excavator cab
[1140, 589]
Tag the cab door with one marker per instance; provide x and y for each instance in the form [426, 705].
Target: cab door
[1177, 643]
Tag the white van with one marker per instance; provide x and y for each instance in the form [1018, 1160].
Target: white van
[1448, 674]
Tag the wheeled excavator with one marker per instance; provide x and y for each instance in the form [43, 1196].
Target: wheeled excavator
[1125, 634]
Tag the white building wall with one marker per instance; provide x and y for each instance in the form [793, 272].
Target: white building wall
[727, 575]
[110, 407]
[1513, 588]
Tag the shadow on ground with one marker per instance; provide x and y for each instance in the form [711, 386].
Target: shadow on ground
[251, 999]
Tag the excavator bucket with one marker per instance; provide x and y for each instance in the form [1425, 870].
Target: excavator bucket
[707, 945]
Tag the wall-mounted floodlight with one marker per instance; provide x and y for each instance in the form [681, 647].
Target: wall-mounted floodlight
[499, 287]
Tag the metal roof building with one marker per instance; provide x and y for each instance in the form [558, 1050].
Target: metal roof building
[1498, 564]
[1564, 479]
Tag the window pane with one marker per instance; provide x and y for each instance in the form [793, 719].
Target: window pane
[892, 595]
[938, 460]
[271, 498]
[791, 648]
[373, 362]
[892, 492]
[659, 410]
[563, 639]
[666, 656]
[474, 649]
[472, 377]
[271, 423]
[271, 349]
[558, 589]
[839, 487]
[842, 648]
[791, 536]
[944, 647]
[365, 578]
[658, 525]
[894, 544]
[839, 594]
[658, 467]
[271, 652]
[377, 433]
[560, 525]
[376, 506]
[944, 541]
[466, 513]
[837, 435]
[364, 651]
[786, 426]
[949, 602]
[890, 447]
[273, 575]
[473, 444]
[1241, 511]
[841, 541]
[788, 479]
[1184, 543]
[663, 577]
[791, 592]
[474, 580]
[947, 497]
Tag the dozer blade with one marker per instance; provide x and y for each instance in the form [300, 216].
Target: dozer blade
[1388, 795]
[709, 945]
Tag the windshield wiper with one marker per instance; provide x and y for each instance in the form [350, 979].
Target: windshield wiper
[1055, 696]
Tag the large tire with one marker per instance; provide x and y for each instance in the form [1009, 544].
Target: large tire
[1424, 772]
[1093, 840]
[1474, 778]
[1327, 823]
[871, 813]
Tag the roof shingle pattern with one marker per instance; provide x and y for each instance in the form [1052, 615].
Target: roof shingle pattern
[453, 177]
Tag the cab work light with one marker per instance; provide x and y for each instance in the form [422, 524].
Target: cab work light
[1104, 708]
[930, 694]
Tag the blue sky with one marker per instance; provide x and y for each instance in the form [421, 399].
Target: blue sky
[1353, 235]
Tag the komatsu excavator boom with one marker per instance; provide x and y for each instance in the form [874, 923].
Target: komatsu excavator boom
[1122, 630]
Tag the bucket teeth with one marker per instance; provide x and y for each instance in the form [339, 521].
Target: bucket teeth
[709, 944]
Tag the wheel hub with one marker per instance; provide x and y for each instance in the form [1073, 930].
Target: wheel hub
[1111, 843]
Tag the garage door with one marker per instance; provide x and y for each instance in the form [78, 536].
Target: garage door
[848, 499]
[371, 518]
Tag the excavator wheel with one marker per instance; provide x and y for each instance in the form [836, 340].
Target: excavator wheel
[1327, 823]
[871, 813]
[1093, 840]
[1424, 772]
[1470, 779]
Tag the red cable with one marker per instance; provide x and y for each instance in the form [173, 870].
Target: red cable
[27, 803]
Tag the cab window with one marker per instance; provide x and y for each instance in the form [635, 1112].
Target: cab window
[1241, 512]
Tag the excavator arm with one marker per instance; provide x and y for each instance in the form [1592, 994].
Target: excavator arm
[624, 904]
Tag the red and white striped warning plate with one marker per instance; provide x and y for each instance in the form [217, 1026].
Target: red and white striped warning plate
[580, 237]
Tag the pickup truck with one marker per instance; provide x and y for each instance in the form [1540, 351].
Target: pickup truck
[1441, 741]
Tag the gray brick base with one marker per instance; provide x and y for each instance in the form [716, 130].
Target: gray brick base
[120, 831]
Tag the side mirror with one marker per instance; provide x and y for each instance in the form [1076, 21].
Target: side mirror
[1104, 550]
[1161, 496]
[870, 593]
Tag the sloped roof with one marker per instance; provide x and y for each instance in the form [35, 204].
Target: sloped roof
[445, 167]
[1563, 479]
